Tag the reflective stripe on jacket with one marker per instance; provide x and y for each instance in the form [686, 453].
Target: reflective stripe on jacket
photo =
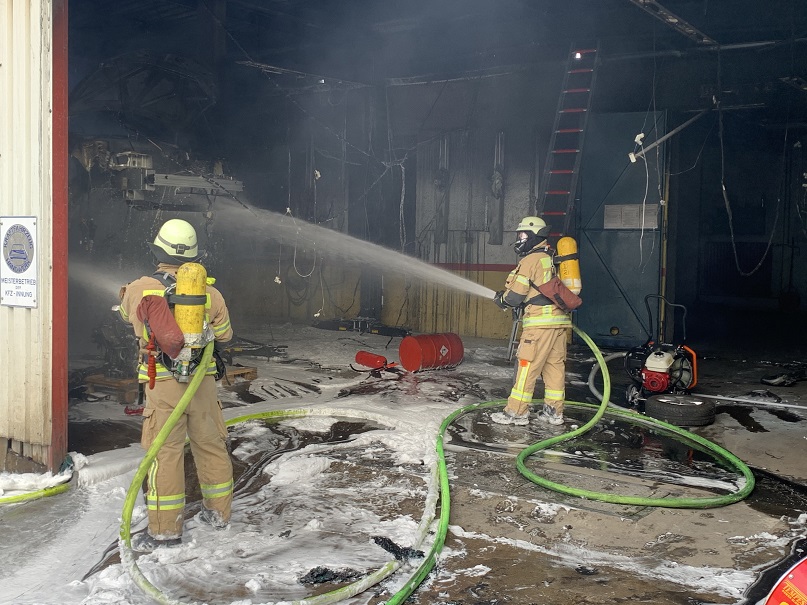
[535, 267]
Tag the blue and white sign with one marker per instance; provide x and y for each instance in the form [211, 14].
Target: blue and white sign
[18, 275]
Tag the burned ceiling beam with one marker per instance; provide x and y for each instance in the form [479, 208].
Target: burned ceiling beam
[276, 9]
[674, 21]
[304, 79]
[467, 75]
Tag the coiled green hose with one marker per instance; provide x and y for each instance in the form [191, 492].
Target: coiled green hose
[445, 497]
[444, 492]
[716, 450]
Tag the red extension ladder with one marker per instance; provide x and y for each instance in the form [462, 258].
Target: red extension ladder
[555, 202]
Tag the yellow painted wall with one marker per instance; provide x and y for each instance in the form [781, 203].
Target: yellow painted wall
[332, 291]
[429, 308]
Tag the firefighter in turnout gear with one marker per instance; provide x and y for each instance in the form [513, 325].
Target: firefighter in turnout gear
[542, 346]
[144, 305]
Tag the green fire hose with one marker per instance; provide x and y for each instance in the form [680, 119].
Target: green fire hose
[125, 543]
[445, 501]
[40, 493]
[442, 493]
[718, 452]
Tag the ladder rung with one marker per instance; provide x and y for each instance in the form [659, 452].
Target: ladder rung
[578, 90]
[581, 70]
[573, 110]
[554, 213]
[584, 51]
[565, 151]
[557, 192]
[557, 234]
[561, 172]
[568, 130]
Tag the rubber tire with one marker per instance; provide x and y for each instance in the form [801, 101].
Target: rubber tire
[680, 410]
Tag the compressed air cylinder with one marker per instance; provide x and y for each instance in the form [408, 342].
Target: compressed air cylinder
[569, 270]
[190, 314]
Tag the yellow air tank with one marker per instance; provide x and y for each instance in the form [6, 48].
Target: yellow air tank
[189, 309]
[569, 268]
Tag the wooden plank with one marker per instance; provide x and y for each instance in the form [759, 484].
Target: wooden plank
[115, 383]
[125, 388]
[245, 372]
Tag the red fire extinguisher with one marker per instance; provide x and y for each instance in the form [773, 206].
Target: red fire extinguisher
[373, 361]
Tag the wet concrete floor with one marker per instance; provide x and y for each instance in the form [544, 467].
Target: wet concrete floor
[513, 542]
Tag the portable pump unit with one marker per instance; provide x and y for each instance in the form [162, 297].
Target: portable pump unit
[658, 367]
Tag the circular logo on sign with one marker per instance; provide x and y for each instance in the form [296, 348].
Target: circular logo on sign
[18, 248]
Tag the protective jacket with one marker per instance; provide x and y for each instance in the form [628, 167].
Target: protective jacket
[542, 346]
[521, 287]
[216, 316]
[202, 423]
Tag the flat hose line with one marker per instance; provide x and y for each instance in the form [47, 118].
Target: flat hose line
[36, 495]
[443, 495]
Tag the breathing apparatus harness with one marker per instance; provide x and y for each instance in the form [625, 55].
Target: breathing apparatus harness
[187, 362]
[539, 299]
[561, 290]
[563, 287]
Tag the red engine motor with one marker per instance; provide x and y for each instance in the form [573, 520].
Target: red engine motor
[657, 367]
[656, 372]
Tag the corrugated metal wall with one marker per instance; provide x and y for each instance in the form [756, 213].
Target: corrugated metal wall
[452, 221]
[26, 190]
[620, 251]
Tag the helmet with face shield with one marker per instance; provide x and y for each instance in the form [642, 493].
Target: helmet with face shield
[530, 232]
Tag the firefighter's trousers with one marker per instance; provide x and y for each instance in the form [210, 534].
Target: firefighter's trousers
[541, 352]
[203, 424]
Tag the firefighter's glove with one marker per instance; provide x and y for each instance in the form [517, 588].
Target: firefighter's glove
[498, 298]
[155, 311]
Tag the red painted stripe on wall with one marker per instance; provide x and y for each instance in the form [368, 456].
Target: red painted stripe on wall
[475, 267]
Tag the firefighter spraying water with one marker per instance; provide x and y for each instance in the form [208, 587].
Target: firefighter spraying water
[537, 296]
[176, 312]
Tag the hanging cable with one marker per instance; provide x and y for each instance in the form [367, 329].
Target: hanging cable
[401, 217]
[726, 202]
[700, 151]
